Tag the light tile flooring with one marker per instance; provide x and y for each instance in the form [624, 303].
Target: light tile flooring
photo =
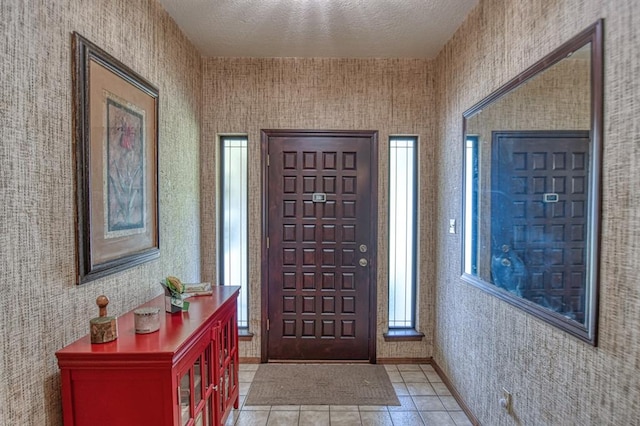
[424, 400]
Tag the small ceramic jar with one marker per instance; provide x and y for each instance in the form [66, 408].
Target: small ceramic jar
[147, 320]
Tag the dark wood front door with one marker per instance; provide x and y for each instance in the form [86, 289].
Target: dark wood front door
[539, 199]
[320, 224]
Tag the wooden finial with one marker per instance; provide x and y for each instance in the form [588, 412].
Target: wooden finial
[102, 302]
[103, 328]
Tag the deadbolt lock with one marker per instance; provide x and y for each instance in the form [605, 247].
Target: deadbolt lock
[363, 248]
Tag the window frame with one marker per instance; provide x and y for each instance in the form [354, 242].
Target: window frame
[415, 211]
[222, 138]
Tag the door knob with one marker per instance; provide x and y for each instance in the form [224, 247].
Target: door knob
[363, 262]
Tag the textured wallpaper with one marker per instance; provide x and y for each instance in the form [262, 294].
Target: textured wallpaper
[484, 344]
[390, 96]
[41, 308]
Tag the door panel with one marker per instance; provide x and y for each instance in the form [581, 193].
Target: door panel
[320, 196]
[539, 201]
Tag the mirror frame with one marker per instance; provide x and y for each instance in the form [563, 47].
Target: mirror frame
[587, 331]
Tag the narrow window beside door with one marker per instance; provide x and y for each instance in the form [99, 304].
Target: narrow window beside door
[233, 265]
[471, 205]
[403, 215]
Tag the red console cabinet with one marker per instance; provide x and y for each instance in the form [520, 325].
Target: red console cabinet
[185, 374]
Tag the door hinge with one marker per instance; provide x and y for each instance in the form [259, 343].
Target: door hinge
[267, 242]
[268, 324]
[268, 160]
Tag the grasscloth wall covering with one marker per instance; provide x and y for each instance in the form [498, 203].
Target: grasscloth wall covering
[390, 96]
[484, 344]
[41, 308]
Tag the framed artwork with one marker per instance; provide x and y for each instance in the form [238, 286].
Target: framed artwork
[116, 149]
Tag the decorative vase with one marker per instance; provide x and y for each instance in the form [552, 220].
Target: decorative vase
[173, 302]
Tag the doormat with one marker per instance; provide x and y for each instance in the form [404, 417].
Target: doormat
[321, 384]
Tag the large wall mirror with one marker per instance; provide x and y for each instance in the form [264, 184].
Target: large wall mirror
[532, 159]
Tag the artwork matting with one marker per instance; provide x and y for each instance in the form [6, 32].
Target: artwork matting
[116, 149]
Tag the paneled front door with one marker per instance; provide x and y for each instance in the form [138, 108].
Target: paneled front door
[320, 226]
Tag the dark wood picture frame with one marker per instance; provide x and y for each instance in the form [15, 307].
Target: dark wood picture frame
[116, 150]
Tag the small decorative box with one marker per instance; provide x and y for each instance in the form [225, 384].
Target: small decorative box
[147, 320]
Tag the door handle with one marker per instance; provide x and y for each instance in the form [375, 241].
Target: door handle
[363, 262]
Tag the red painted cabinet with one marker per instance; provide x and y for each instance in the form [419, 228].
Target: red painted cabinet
[185, 374]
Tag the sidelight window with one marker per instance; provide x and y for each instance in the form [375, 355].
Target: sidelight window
[471, 200]
[403, 213]
[233, 253]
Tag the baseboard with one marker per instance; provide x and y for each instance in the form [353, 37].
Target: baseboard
[428, 360]
[455, 394]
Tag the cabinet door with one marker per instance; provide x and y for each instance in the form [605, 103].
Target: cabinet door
[226, 351]
[185, 397]
[195, 389]
[208, 417]
[217, 399]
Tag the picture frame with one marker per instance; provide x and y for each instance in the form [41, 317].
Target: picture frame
[116, 153]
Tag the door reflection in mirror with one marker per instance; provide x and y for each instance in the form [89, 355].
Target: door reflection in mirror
[538, 247]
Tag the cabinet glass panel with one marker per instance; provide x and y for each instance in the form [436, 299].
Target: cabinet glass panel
[197, 382]
[232, 371]
[207, 370]
[225, 343]
[185, 399]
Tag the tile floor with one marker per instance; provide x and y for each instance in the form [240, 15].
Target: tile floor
[424, 400]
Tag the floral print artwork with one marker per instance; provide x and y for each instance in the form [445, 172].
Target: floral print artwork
[125, 168]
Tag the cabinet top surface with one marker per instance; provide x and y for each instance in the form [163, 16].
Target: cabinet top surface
[175, 329]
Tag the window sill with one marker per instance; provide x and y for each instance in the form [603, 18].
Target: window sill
[403, 335]
[244, 335]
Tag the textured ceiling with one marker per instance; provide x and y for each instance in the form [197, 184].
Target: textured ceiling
[319, 28]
